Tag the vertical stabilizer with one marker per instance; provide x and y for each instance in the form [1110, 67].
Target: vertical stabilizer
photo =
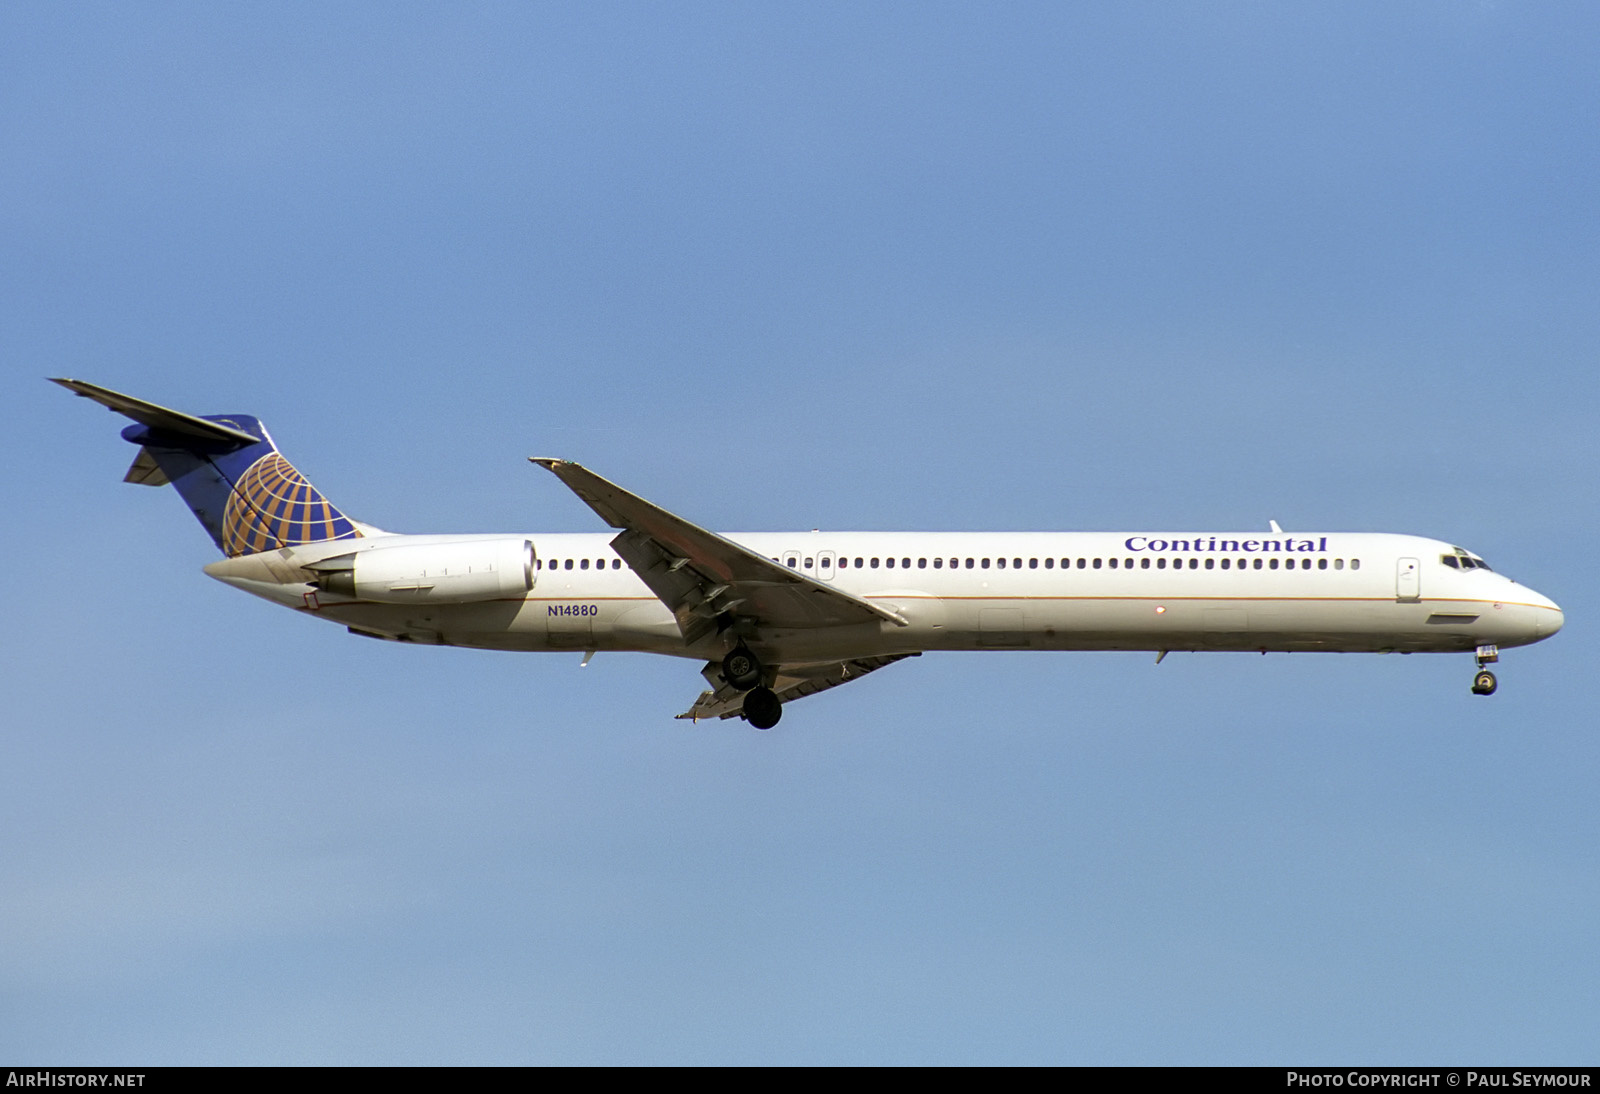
[228, 471]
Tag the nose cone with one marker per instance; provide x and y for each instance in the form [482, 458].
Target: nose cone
[1520, 617]
[1550, 620]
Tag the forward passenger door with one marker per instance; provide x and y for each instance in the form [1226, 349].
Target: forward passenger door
[1408, 580]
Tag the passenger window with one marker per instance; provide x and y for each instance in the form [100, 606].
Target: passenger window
[792, 564]
[1355, 564]
[1338, 564]
[1049, 564]
[922, 564]
[938, 563]
[889, 562]
[1225, 563]
[1322, 564]
[985, 564]
[1144, 564]
[1161, 564]
[569, 564]
[1033, 564]
[971, 563]
[1272, 564]
[1016, 564]
[583, 564]
[808, 563]
[905, 564]
[1002, 563]
[1097, 564]
[873, 563]
[1210, 563]
[1256, 564]
[860, 563]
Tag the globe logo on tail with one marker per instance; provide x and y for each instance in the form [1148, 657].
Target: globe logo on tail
[272, 505]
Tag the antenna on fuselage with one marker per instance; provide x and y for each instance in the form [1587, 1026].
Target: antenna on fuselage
[1275, 529]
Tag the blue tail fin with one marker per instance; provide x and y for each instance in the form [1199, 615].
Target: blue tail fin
[230, 474]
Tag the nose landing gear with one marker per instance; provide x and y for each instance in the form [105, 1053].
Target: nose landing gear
[1484, 682]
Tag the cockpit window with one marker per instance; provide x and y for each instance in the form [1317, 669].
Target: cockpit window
[1461, 560]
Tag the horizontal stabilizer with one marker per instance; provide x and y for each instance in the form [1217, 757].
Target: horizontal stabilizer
[159, 417]
[145, 471]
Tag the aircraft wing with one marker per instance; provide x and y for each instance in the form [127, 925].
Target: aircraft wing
[700, 575]
[793, 682]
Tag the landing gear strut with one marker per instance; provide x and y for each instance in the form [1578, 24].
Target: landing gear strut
[1484, 682]
[762, 708]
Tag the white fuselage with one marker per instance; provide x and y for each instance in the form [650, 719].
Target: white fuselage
[1354, 592]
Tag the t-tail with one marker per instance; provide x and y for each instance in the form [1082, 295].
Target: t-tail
[230, 474]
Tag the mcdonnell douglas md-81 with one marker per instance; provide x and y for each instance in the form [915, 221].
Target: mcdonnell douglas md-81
[777, 616]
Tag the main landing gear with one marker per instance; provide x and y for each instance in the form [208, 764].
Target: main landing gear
[743, 670]
[762, 708]
[1484, 682]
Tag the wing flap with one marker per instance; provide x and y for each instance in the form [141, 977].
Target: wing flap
[793, 682]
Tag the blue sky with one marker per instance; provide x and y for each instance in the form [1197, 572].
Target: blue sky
[883, 266]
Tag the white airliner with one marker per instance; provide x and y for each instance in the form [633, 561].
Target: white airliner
[777, 616]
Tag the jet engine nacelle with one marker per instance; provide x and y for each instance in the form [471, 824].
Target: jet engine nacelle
[460, 572]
